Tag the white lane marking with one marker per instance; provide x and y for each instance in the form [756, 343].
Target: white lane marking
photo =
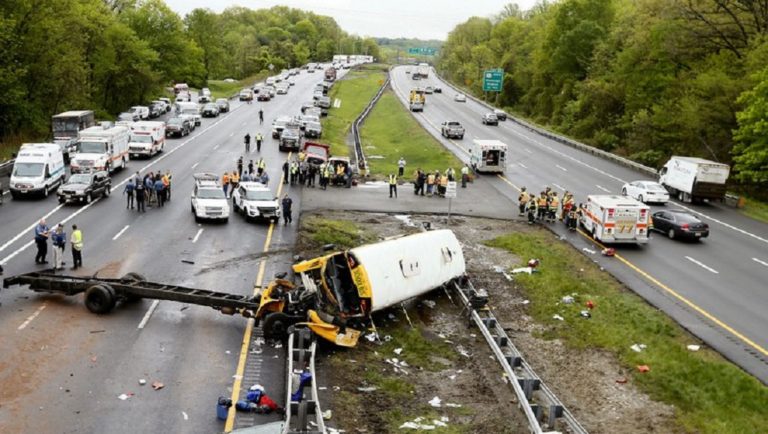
[522, 165]
[148, 314]
[528, 150]
[557, 186]
[231, 134]
[121, 232]
[602, 188]
[195, 165]
[184, 413]
[760, 262]
[702, 265]
[27, 230]
[561, 167]
[32, 317]
[194, 240]
[216, 147]
[76, 213]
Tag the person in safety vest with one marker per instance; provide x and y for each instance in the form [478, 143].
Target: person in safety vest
[225, 183]
[77, 247]
[464, 176]
[392, 184]
[443, 185]
[522, 200]
[541, 206]
[533, 209]
[554, 204]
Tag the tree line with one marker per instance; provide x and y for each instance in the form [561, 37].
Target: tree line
[646, 79]
[107, 55]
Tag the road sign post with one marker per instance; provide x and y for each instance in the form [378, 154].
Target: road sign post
[450, 193]
[493, 80]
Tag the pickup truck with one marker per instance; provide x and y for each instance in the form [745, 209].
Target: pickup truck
[84, 187]
[290, 138]
[316, 153]
[324, 103]
[452, 130]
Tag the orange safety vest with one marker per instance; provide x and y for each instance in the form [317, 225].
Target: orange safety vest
[430, 179]
[235, 178]
[542, 201]
[225, 179]
[554, 202]
[444, 181]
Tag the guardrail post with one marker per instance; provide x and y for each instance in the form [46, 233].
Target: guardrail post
[555, 411]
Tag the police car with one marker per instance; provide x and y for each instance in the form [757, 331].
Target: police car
[208, 199]
[255, 201]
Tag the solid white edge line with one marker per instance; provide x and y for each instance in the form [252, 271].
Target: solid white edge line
[32, 317]
[195, 165]
[121, 232]
[194, 240]
[702, 265]
[148, 314]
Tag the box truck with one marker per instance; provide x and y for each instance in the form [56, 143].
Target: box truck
[693, 179]
[616, 219]
[103, 147]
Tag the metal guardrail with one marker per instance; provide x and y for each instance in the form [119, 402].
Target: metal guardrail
[362, 163]
[301, 361]
[544, 412]
[649, 171]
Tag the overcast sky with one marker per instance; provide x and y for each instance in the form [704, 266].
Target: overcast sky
[424, 19]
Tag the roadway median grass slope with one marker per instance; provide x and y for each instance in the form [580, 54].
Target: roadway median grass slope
[710, 394]
[354, 92]
[390, 132]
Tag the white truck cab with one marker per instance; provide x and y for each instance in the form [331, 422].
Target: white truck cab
[38, 169]
[616, 219]
[208, 198]
[190, 108]
[488, 155]
[103, 147]
[147, 139]
[254, 200]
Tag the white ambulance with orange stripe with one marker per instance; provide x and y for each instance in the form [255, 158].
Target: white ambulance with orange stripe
[103, 147]
[616, 219]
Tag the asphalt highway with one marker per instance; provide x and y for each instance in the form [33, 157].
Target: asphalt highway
[716, 288]
[62, 369]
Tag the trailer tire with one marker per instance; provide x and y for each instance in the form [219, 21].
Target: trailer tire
[134, 277]
[100, 299]
[276, 325]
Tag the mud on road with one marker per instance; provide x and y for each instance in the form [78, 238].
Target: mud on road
[428, 351]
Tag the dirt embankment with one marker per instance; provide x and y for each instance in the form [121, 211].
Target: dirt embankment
[369, 390]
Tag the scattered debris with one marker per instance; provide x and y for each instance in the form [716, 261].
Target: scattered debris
[568, 299]
[183, 308]
[367, 389]
[436, 402]
[372, 337]
[98, 331]
[585, 314]
[528, 270]
[622, 380]
[608, 251]
[643, 368]
[588, 250]
[638, 348]
[157, 385]
[279, 345]
[187, 261]
[417, 424]
[590, 304]
[558, 317]
[125, 396]
[429, 303]
[228, 352]
[693, 347]
[184, 413]
[452, 405]
[463, 351]
[142, 382]
[336, 388]
[327, 414]
[397, 351]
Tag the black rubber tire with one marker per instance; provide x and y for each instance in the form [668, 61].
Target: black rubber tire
[640, 198]
[276, 325]
[100, 299]
[623, 191]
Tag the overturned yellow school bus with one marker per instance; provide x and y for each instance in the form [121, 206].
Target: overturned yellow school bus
[339, 291]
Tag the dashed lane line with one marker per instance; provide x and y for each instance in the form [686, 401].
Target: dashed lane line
[702, 265]
[561, 167]
[602, 188]
[760, 262]
[149, 313]
[195, 165]
[32, 317]
[121, 232]
[197, 236]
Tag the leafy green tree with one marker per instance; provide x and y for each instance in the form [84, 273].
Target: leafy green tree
[750, 154]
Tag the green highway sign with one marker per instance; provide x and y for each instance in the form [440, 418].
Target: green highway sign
[493, 79]
[424, 51]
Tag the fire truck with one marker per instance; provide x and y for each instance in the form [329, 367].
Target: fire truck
[616, 219]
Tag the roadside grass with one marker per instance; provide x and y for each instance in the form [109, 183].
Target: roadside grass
[755, 209]
[344, 234]
[225, 89]
[711, 394]
[354, 91]
[390, 132]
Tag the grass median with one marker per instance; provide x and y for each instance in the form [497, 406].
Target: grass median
[354, 92]
[391, 132]
[225, 89]
[711, 394]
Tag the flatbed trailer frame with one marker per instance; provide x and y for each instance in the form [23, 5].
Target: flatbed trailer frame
[102, 294]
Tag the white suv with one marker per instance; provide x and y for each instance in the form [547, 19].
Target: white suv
[208, 199]
[255, 201]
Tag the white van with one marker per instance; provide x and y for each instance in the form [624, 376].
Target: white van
[147, 139]
[103, 147]
[488, 155]
[142, 111]
[38, 169]
[190, 108]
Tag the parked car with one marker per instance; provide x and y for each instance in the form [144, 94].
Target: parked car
[679, 224]
[438, 89]
[500, 114]
[223, 105]
[460, 97]
[429, 90]
[255, 201]
[142, 111]
[307, 105]
[155, 110]
[167, 102]
[282, 90]
[128, 117]
[210, 110]
[304, 118]
[246, 95]
[290, 138]
[85, 187]
[490, 119]
[192, 120]
[203, 99]
[178, 127]
[208, 199]
[163, 105]
[279, 124]
[646, 191]
[313, 130]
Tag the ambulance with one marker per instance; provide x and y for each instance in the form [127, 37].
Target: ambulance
[147, 139]
[37, 170]
[103, 147]
[616, 219]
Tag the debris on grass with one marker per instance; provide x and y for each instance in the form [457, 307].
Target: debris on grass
[638, 348]
[436, 402]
